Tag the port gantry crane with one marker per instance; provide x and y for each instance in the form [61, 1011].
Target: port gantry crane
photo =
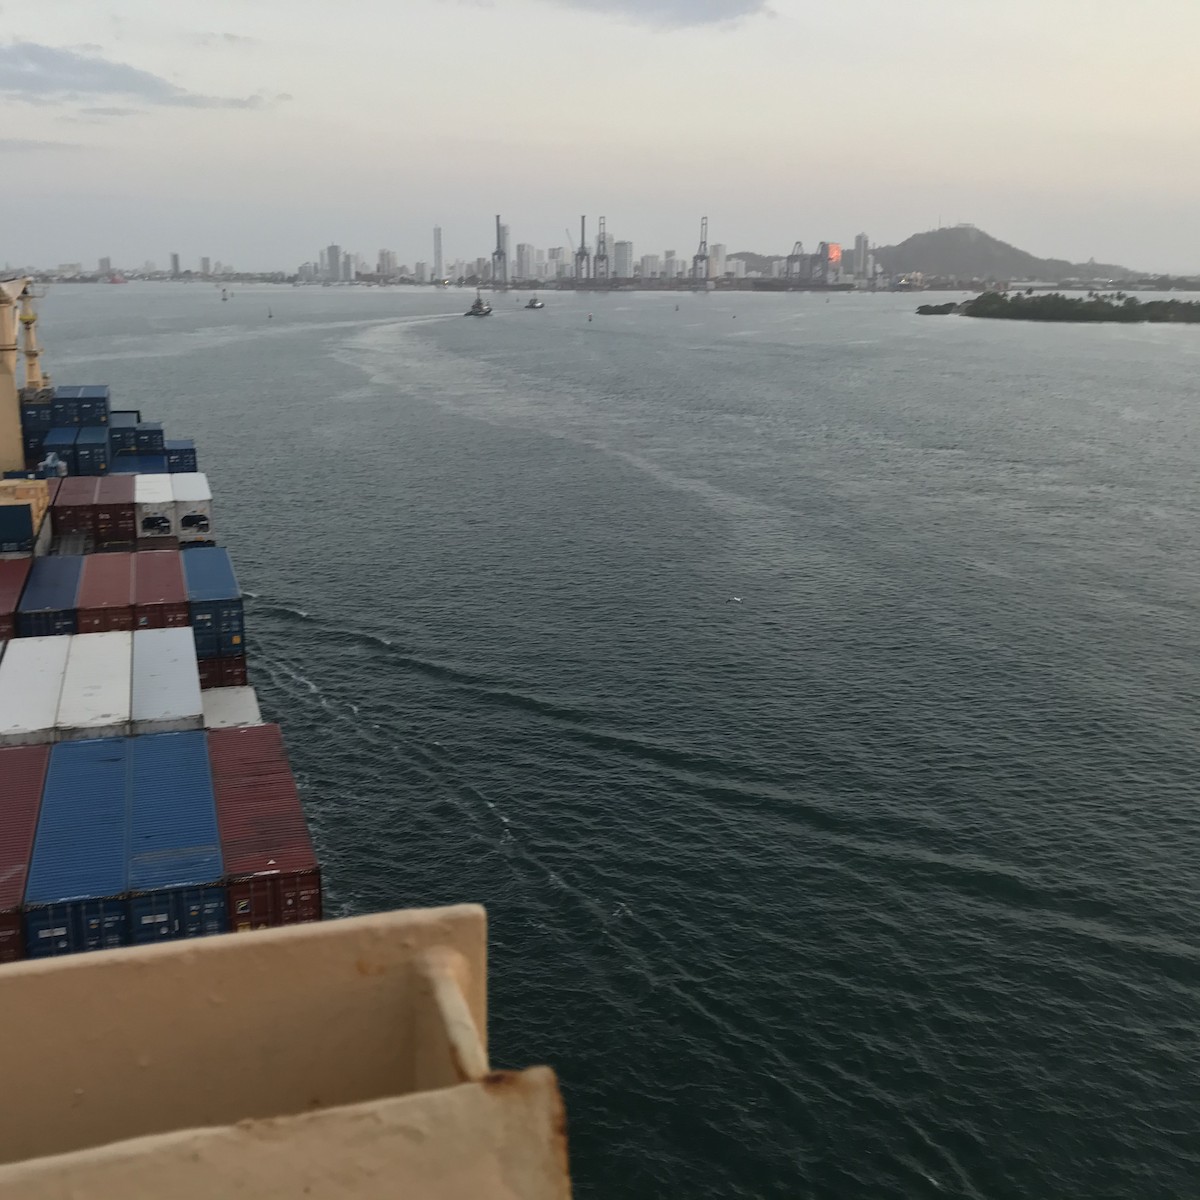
[700, 258]
[600, 262]
[796, 261]
[583, 256]
[499, 259]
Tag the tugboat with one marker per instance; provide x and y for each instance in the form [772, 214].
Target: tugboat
[480, 307]
[535, 303]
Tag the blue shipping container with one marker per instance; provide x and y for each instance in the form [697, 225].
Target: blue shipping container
[37, 417]
[33, 446]
[92, 405]
[138, 464]
[122, 430]
[91, 451]
[181, 455]
[62, 441]
[64, 408]
[150, 437]
[175, 863]
[214, 602]
[16, 529]
[74, 896]
[50, 598]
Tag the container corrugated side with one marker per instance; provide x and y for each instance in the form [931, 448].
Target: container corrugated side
[51, 596]
[75, 894]
[22, 775]
[230, 707]
[160, 593]
[31, 683]
[106, 593]
[166, 684]
[272, 870]
[223, 672]
[74, 507]
[96, 692]
[215, 602]
[14, 572]
[116, 520]
[176, 873]
[155, 506]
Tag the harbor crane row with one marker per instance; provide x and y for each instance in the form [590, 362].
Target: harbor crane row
[700, 258]
[796, 262]
[583, 256]
[600, 262]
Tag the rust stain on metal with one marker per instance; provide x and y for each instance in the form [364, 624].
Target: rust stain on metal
[496, 1081]
[366, 968]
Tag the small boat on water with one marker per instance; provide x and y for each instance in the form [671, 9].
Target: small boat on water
[479, 308]
[535, 303]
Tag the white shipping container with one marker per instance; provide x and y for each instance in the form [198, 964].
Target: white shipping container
[193, 506]
[31, 679]
[155, 503]
[97, 687]
[166, 682]
[231, 708]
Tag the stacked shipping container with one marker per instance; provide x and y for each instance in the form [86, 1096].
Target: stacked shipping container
[133, 806]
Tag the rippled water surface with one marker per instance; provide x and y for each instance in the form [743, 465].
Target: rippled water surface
[881, 881]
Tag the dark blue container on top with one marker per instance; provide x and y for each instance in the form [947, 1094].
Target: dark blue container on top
[92, 404]
[61, 439]
[64, 408]
[175, 864]
[37, 417]
[16, 529]
[51, 595]
[181, 455]
[138, 464]
[74, 895]
[150, 437]
[122, 430]
[214, 602]
[33, 445]
[91, 450]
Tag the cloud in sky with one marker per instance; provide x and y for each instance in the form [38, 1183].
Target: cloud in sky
[223, 39]
[22, 145]
[674, 13]
[52, 74]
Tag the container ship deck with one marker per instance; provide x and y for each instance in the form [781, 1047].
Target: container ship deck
[142, 797]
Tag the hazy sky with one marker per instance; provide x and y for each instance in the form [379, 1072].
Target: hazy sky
[255, 131]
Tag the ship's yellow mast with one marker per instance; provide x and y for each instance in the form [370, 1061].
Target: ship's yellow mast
[35, 379]
[12, 449]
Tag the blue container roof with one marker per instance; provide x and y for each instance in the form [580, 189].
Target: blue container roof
[180, 444]
[173, 837]
[149, 425]
[63, 435]
[53, 584]
[209, 575]
[124, 418]
[93, 435]
[80, 850]
[94, 391]
[67, 393]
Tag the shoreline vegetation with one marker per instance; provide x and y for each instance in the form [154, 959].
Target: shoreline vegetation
[1054, 306]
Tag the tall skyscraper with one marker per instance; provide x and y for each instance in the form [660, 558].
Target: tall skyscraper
[862, 248]
[206, 266]
[421, 272]
[349, 268]
[716, 262]
[333, 262]
[651, 267]
[438, 266]
[525, 261]
[106, 266]
[174, 266]
[387, 263]
[623, 260]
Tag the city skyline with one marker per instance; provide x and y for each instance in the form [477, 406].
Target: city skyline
[134, 125]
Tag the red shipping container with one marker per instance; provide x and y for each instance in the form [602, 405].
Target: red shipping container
[271, 868]
[106, 593]
[53, 485]
[233, 671]
[13, 573]
[210, 672]
[160, 594]
[115, 511]
[22, 773]
[74, 508]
